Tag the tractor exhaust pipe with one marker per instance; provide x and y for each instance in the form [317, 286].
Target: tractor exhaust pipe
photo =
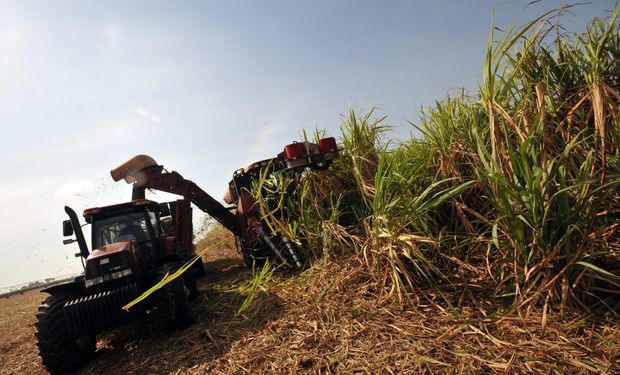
[77, 229]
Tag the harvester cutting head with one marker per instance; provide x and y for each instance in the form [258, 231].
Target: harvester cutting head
[295, 157]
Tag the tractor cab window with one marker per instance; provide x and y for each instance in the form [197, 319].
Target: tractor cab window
[131, 227]
[154, 223]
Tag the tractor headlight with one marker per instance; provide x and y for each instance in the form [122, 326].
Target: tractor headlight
[113, 276]
[93, 281]
[119, 274]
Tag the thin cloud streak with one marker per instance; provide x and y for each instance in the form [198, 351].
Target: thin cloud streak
[144, 113]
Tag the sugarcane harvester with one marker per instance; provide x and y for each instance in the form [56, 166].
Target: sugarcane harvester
[256, 240]
[142, 251]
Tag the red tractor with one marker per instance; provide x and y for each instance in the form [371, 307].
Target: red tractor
[137, 244]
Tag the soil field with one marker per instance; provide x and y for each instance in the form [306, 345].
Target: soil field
[326, 320]
[18, 352]
[137, 347]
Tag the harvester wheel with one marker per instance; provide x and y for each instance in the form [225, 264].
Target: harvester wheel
[59, 351]
[172, 298]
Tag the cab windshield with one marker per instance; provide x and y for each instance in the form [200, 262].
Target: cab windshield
[128, 227]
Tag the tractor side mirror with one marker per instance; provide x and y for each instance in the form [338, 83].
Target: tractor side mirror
[67, 228]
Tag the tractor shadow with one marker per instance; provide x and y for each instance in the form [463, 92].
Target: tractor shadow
[142, 346]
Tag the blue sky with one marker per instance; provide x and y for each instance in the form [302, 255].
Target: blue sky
[205, 87]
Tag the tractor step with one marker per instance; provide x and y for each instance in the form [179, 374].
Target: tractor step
[94, 312]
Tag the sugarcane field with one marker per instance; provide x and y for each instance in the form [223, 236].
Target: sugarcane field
[310, 187]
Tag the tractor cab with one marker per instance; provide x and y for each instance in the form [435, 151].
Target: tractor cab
[125, 240]
[130, 238]
[136, 221]
[124, 227]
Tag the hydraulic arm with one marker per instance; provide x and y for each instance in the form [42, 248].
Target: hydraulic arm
[258, 243]
[145, 173]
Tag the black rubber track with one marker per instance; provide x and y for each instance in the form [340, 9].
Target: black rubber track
[60, 352]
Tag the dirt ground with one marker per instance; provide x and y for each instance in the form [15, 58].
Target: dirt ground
[326, 320]
[18, 352]
[138, 347]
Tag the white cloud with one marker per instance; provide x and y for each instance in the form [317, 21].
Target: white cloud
[144, 113]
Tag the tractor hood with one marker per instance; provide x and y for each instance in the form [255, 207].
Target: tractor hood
[107, 250]
[124, 249]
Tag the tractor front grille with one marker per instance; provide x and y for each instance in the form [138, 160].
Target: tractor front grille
[96, 311]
